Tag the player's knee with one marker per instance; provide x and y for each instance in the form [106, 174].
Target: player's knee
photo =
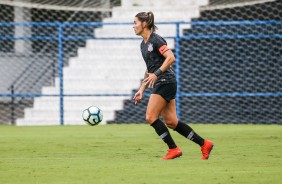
[151, 118]
[171, 124]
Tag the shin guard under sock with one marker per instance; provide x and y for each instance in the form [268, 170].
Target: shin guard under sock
[189, 133]
[163, 132]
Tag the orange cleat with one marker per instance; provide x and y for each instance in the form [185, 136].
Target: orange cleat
[206, 149]
[172, 153]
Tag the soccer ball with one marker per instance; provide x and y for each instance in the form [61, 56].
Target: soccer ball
[92, 115]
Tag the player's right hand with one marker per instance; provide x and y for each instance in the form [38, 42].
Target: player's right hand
[138, 97]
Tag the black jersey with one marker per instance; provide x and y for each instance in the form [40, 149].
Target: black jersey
[152, 52]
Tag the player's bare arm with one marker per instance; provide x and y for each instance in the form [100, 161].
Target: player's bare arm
[139, 94]
[169, 60]
[143, 84]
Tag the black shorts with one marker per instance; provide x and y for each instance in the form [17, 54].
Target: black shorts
[167, 91]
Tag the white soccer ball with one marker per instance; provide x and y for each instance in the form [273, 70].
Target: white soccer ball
[92, 115]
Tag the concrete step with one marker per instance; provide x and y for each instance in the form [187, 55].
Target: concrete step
[125, 57]
[97, 80]
[103, 65]
[72, 116]
[117, 44]
[115, 68]
[157, 3]
[68, 114]
[106, 57]
[109, 85]
[88, 90]
[113, 50]
[106, 43]
[52, 122]
[161, 13]
[128, 31]
[79, 103]
[98, 74]
[95, 76]
[114, 45]
[47, 120]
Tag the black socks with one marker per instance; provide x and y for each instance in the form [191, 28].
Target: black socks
[189, 133]
[163, 132]
[181, 128]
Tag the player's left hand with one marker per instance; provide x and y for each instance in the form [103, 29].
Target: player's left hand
[150, 80]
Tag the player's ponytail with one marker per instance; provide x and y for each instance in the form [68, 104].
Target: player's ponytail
[149, 18]
[151, 22]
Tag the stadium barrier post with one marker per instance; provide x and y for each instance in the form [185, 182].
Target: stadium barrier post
[177, 68]
[12, 105]
[61, 65]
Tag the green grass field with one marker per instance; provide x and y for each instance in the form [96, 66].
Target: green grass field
[131, 154]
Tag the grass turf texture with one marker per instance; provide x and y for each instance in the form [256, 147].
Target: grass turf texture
[131, 154]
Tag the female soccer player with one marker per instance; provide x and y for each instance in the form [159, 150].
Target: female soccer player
[160, 77]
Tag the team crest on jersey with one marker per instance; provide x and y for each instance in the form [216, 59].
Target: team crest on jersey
[150, 47]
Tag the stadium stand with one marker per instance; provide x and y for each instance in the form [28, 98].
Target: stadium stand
[31, 69]
[78, 77]
[226, 67]
[210, 65]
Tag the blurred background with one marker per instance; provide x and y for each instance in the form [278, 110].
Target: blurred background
[59, 57]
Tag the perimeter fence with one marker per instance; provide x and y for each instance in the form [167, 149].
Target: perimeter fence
[227, 71]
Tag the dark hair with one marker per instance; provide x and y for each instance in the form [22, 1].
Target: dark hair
[149, 18]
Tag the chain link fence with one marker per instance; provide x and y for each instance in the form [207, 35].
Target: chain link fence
[229, 66]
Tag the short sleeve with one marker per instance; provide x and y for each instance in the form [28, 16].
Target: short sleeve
[161, 45]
